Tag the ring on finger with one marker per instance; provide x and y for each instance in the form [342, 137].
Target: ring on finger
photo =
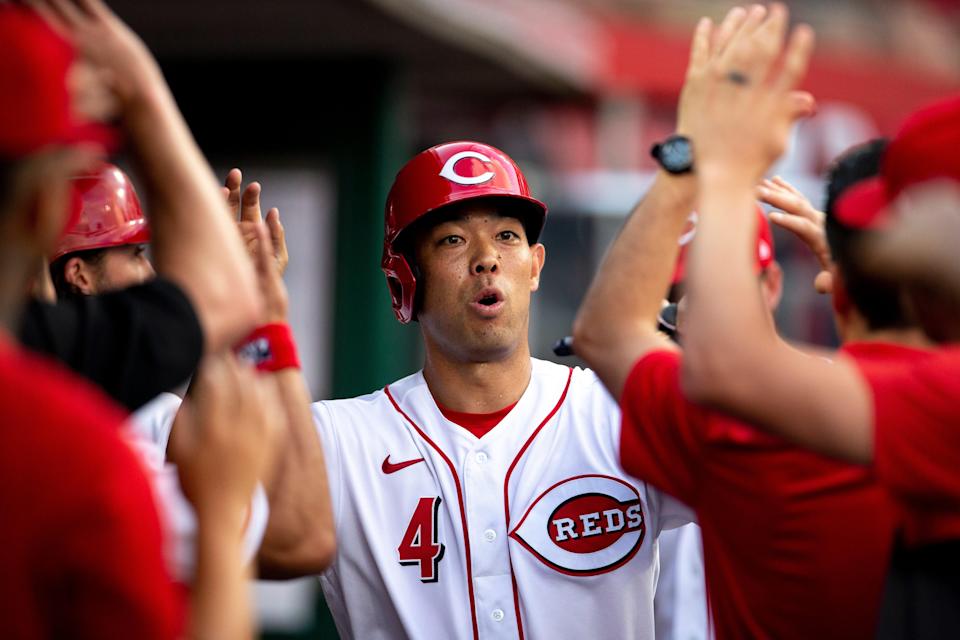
[738, 77]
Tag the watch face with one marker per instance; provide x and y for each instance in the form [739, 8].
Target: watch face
[675, 154]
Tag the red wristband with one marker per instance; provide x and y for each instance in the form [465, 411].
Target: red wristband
[270, 348]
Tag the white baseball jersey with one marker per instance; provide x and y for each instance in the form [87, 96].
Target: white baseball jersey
[532, 531]
[681, 601]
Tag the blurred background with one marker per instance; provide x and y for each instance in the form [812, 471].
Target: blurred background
[323, 100]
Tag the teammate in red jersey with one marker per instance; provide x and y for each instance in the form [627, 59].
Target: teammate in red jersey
[902, 417]
[767, 509]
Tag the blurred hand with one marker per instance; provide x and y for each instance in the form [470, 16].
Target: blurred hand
[226, 434]
[115, 52]
[797, 215]
[741, 109]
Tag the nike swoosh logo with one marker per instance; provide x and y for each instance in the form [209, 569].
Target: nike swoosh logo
[392, 467]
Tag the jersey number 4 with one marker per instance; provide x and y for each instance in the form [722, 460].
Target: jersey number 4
[421, 542]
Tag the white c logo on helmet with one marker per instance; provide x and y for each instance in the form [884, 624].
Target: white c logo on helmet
[450, 173]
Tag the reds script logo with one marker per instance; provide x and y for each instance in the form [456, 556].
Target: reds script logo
[449, 170]
[584, 525]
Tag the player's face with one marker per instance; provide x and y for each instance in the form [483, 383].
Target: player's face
[477, 272]
[124, 267]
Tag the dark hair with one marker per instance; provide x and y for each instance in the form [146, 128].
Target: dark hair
[65, 289]
[8, 171]
[879, 301]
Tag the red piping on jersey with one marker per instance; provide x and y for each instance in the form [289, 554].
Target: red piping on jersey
[506, 494]
[463, 513]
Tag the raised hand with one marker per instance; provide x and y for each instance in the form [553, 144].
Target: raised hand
[245, 206]
[745, 101]
[115, 52]
[798, 216]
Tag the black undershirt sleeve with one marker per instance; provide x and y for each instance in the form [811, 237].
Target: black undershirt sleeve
[133, 343]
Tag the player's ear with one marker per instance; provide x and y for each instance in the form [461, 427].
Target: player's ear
[539, 254]
[772, 285]
[79, 274]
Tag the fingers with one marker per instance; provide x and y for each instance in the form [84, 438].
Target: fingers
[263, 257]
[797, 58]
[700, 46]
[785, 201]
[753, 18]
[68, 12]
[780, 182]
[278, 237]
[250, 204]
[729, 26]
[232, 186]
[51, 17]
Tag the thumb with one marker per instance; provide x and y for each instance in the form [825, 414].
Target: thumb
[802, 104]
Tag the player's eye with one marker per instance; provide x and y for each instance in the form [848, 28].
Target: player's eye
[450, 240]
[507, 235]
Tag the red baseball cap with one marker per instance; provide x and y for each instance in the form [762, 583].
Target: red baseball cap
[764, 254]
[36, 110]
[926, 148]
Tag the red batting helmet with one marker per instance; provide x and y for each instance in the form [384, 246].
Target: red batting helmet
[106, 213]
[440, 176]
[765, 253]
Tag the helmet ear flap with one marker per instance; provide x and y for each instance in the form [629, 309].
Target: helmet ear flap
[402, 284]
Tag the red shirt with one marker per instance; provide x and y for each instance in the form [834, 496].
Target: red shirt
[80, 543]
[917, 442]
[795, 545]
[479, 424]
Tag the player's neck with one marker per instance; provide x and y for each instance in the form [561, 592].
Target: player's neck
[905, 337]
[478, 387]
[856, 329]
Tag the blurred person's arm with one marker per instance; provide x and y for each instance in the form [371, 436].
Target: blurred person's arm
[223, 448]
[617, 322]
[194, 245]
[733, 359]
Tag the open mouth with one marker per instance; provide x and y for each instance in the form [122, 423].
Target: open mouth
[488, 302]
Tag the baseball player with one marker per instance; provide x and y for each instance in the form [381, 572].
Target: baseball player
[482, 497]
[105, 249]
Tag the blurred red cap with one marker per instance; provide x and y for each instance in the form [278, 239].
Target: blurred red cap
[926, 148]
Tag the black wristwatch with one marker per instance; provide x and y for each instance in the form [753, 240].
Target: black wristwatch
[675, 154]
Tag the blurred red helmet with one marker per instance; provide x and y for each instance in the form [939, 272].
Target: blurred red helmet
[106, 213]
[765, 250]
[440, 176]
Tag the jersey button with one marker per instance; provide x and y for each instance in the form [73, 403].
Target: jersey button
[497, 615]
[490, 535]
[481, 457]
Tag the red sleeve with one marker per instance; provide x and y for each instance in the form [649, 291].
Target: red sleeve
[661, 438]
[113, 560]
[917, 430]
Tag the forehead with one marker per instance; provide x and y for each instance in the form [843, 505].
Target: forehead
[472, 210]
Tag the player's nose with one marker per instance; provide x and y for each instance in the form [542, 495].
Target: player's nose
[486, 259]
